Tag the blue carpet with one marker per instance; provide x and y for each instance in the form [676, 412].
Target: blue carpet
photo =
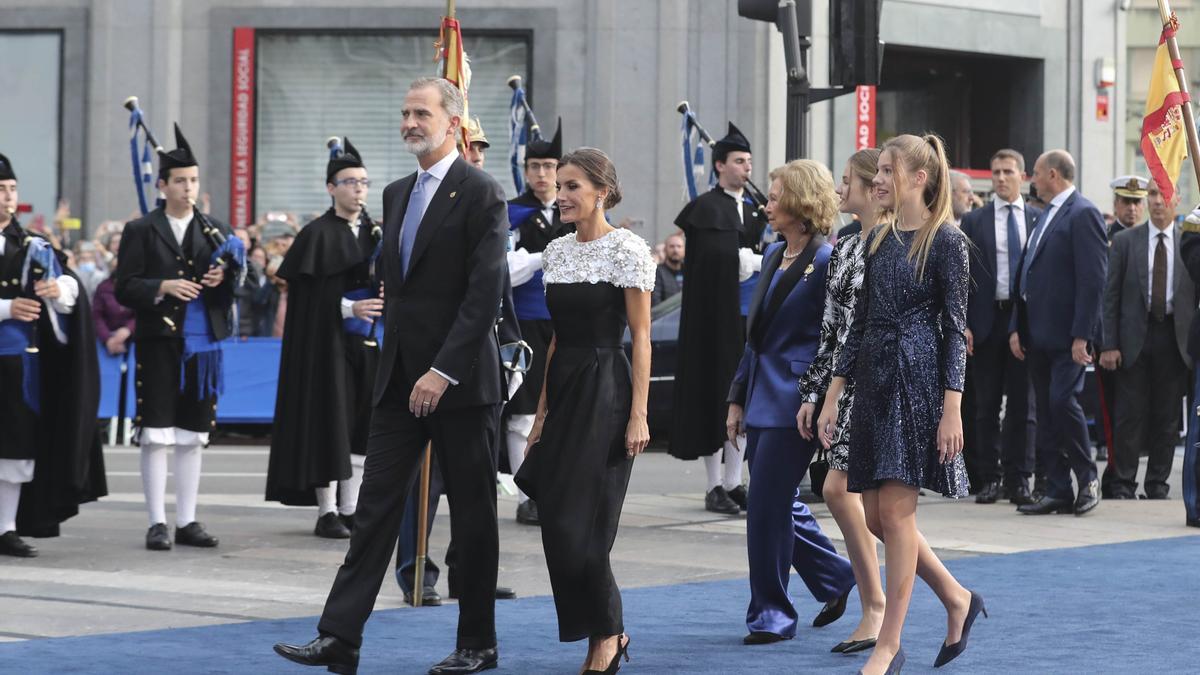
[1101, 609]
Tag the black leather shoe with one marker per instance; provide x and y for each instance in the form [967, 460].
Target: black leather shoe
[832, 611]
[1046, 505]
[1158, 492]
[1121, 493]
[1039, 488]
[429, 597]
[527, 513]
[989, 494]
[11, 544]
[717, 501]
[1193, 522]
[330, 526]
[347, 521]
[1017, 492]
[467, 661]
[194, 534]
[1089, 498]
[157, 538]
[739, 496]
[762, 637]
[852, 646]
[334, 653]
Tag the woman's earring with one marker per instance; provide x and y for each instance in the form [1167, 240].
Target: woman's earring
[599, 202]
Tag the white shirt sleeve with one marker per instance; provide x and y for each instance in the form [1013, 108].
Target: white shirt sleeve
[347, 309]
[522, 265]
[5, 310]
[749, 262]
[449, 379]
[68, 295]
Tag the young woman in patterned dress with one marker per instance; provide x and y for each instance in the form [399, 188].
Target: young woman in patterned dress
[846, 270]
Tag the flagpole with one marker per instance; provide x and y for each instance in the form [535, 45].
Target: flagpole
[1189, 120]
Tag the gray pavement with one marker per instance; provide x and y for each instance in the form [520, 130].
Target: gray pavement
[98, 578]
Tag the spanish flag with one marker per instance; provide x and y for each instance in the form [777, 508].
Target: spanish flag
[1164, 139]
[455, 67]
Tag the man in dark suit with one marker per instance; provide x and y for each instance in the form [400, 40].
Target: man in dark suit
[439, 380]
[1149, 302]
[1059, 291]
[998, 232]
[668, 279]
[1189, 249]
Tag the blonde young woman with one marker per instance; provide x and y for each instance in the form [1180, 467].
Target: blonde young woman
[906, 353]
[847, 267]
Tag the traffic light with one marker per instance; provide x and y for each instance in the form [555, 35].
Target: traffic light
[855, 52]
[768, 10]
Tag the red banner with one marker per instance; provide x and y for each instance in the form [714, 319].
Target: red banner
[864, 117]
[241, 155]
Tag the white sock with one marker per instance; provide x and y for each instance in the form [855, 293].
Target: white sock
[154, 481]
[733, 463]
[348, 489]
[519, 427]
[712, 466]
[327, 498]
[10, 499]
[187, 483]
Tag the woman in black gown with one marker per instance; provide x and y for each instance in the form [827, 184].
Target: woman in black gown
[591, 420]
[906, 354]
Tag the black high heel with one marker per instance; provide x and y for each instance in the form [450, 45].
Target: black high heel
[950, 652]
[895, 665]
[615, 664]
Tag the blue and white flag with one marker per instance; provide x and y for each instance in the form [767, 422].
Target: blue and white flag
[518, 137]
[693, 162]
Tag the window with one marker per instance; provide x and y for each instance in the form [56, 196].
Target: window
[311, 86]
[30, 116]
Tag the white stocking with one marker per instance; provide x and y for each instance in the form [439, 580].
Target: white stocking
[10, 499]
[348, 489]
[733, 463]
[327, 498]
[517, 436]
[154, 481]
[187, 483]
[712, 466]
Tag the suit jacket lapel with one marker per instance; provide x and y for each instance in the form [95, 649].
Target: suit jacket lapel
[392, 223]
[1059, 216]
[443, 202]
[163, 228]
[1141, 265]
[987, 223]
[787, 282]
[771, 263]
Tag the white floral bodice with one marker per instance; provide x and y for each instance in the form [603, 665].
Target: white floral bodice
[620, 258]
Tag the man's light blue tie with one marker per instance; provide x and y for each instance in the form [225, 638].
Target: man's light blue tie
[412, 221]
[1014, 247]
[1031, 249]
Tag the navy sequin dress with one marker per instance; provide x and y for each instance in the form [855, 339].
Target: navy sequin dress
[907, 346]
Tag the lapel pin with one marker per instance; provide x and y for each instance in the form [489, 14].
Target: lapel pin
[809, 270]
[452, 194]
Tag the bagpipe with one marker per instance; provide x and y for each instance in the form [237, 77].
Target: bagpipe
[229, 254]
[335, 150]
[40, 264]
[694, 163]
[523, 127]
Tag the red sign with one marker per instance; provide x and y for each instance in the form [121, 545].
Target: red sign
[864, 117]
[241, 155]
[1101, 107]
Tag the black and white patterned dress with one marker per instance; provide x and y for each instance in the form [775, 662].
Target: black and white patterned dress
[845, 277]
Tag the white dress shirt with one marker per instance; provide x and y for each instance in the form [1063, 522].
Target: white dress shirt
[741, 203]
[1169, 242]
[1003, 283]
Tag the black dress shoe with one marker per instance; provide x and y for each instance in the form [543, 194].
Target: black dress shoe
[11, 544]
[895, 664]
[1121, 493]
[852, 646]
[1158, 492]
[989, 494]
[832, 611]
[950, 652]
[429, 597]
[1046, 505]
[194, 534]
[347, 521]
[739, 496]
[527, 513]
[762, 637]
[467, 661]
[1089, 498]
[1017, 492]
[157, 538]
[334, 653]
[1193, 522]
[717, 501]
[615, 664]
[1039, 488]
[330, 526]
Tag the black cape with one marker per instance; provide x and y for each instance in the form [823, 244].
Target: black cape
[311, 436]
[711, 330]
[69, 468]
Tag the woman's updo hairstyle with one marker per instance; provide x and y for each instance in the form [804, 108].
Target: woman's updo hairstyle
[599, 170]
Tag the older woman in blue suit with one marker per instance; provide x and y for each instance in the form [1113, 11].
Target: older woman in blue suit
[783, 332]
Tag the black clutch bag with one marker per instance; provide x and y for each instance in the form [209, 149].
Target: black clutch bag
[817, 472]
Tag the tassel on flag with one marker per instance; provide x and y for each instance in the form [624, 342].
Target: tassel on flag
[1164, 136]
